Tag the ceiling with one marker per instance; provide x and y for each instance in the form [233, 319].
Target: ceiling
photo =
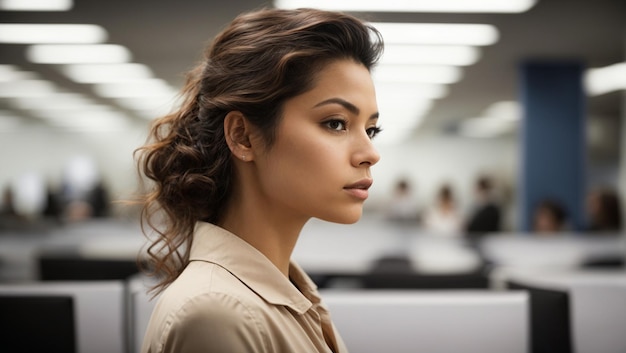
[169, 36]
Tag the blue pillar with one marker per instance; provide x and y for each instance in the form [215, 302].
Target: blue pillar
[553, 142]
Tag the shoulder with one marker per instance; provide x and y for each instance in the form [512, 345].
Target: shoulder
[207, 315]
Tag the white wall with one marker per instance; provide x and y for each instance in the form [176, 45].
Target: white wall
[429, 161]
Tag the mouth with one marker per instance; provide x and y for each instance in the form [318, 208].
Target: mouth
[359, 189]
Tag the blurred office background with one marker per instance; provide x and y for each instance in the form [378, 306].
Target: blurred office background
[501, 151]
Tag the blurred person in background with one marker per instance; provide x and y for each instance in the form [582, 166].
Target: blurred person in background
[8, 216]
[403, 205]
[275, 129]
[444, 216]
[549, 217]
[604, 211]
[485, 216]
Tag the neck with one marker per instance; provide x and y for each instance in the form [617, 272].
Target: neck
[271, 231]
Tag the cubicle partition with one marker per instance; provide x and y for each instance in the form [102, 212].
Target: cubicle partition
[99, 309]
[433, 321]
[590, 304]
[37, 323]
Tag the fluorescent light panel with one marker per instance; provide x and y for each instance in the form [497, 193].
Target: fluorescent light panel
[485, 127]
[145, 103]
[143, 88]
[415, 73]
[88, 120]
[430, 55]
[437, 33]
[26, 88]
[482, 6]
[10, 73]
[415, 90]
[505, 110]
[54, 101]
[36, 5]
[77, 54]
[499, 118]
[101, 73]
[605, 79]
[22, 33]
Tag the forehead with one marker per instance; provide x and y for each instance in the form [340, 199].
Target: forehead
[346, 79]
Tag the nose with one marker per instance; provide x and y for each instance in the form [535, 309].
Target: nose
[365, 153]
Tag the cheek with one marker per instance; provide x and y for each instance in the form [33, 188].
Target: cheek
[304, 164]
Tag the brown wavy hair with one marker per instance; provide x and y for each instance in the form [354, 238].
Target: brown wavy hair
[260, 60]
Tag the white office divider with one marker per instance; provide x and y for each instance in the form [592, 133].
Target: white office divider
[597, 304]
[99, 310]
[140, 305]
[564, 251]
[401, 321]
[431, 321]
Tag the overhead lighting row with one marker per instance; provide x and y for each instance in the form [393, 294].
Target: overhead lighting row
[43, 99]
[498, 119]
[419, 62]
[420, 59]
[36, 5]
[76, 51]
[503, 117]
[484, 6]
[606, 79]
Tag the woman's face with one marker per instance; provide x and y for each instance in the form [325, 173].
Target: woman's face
[319, 164]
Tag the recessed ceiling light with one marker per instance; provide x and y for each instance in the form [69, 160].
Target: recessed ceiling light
[36, 5]
[24, 33]
[54, 101]
[77, 54]
[26, 88]
[414, 73]
[95, 120]
[605, 79]
[487, 6]
[437, 33]
[456, 55]
[149, 103]
[485, 127]
[99, 73]
[143, 88]
[411, 89]
[499, 118]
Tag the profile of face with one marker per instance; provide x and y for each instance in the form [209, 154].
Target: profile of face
[319, 164]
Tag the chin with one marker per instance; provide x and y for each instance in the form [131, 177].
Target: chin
[344, 216]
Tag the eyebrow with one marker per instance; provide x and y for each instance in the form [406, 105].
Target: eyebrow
[347, 105]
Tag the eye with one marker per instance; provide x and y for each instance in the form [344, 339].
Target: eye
[335, 124]
[373, 131]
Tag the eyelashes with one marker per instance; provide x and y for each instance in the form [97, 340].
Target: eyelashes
[373, 131]
[341, 125]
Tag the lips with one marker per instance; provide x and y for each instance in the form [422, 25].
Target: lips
[359, 189]
[363, 184]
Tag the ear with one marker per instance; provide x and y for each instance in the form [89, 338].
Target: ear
[237, 131]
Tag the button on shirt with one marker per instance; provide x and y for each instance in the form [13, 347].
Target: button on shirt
[231, 298]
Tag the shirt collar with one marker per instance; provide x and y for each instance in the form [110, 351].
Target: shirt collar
[217, 245]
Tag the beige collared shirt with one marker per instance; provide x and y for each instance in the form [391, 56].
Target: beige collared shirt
[231, 298]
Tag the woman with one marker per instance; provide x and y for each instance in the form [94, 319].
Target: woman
[444, 218]
[276, 128]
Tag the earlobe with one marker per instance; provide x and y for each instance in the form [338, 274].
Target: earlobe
[237, 131]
